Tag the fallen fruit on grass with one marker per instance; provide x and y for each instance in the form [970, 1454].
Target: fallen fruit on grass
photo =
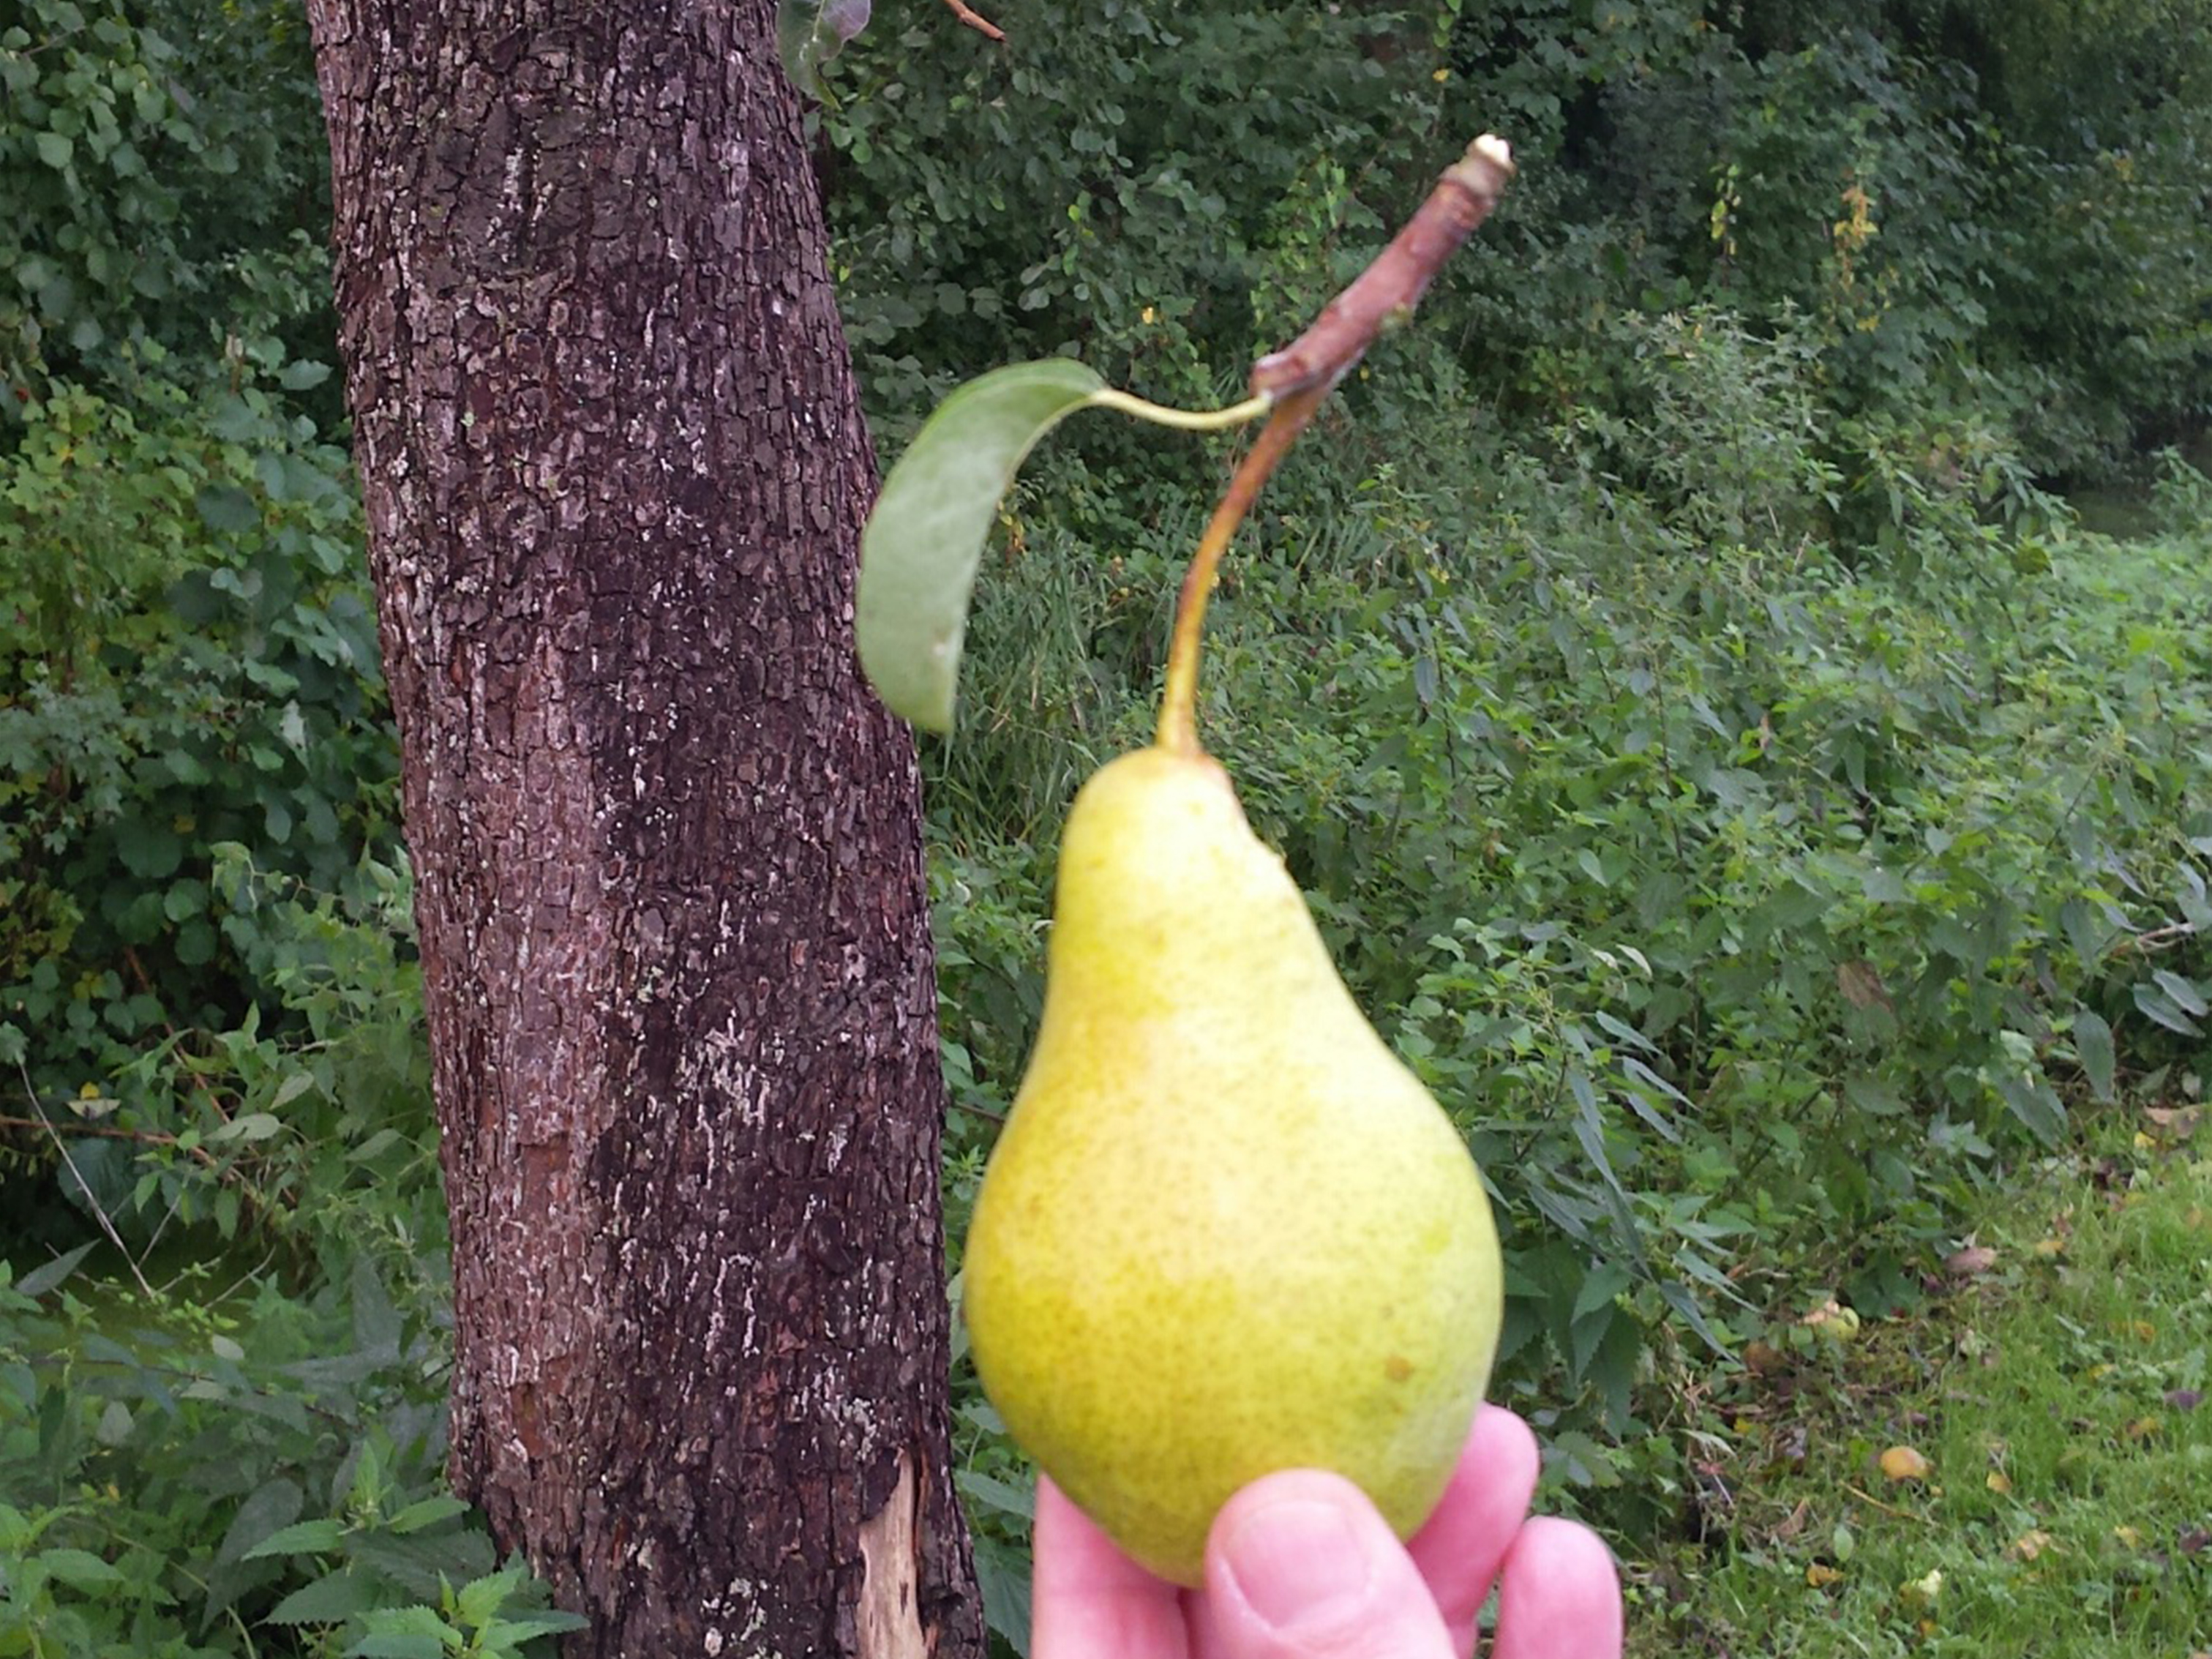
[1903, 1464]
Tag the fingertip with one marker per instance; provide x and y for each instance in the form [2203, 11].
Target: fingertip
[1500, 1433]
[1460, 1548]
[1493, 1480]
[1073, 1552]
[1560, 1595]
[1315, 1486]
[1300, 1565]
[1090, 1600]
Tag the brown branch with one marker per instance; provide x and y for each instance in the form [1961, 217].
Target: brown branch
[2157, 938]
[982, 25]
[1869, 1497]
[1384, 295]
[1296, 380]
[151, 1137]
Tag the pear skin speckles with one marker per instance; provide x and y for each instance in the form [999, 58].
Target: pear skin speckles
[1225, 1231]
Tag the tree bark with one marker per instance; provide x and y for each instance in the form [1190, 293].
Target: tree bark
[667, 847]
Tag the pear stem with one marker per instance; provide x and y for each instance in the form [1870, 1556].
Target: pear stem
[1189, 420]
[1304, 372]
[1178, 727]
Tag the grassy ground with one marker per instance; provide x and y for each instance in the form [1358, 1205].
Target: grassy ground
[2022, 1466]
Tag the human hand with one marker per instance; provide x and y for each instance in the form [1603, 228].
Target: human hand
[1300, 1566]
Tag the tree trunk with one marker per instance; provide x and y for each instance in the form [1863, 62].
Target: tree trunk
[667, 847]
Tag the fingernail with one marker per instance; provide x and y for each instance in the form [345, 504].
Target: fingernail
[1299, 1562]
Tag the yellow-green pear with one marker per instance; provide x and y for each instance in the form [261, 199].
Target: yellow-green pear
[1225, 1231]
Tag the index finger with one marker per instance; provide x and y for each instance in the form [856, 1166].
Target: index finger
[1091, 1601]
[1460, 1548]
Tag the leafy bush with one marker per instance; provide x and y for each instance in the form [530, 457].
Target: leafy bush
[223, 1430]
[251, 1472]
[168, 185]
[1067, 192]
[194, 662]
[1989, 207]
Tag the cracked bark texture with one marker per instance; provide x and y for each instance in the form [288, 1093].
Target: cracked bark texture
[667, 847]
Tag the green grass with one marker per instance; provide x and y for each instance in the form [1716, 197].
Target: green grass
[2054, 1387]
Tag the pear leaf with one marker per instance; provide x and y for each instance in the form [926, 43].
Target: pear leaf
[925, 538]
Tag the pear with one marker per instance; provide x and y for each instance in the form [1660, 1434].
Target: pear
[1225, 1231]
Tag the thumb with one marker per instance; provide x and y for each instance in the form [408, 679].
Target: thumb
[1300, 1566]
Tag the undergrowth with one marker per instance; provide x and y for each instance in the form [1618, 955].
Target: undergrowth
[2020, 1468]
[1760, 877]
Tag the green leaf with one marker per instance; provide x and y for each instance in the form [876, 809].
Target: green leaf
[272, 1504]
[1604, 1283]
[148, 849]
[2036, 1105]
[2160, 1008]
[328, 1601]
[184, 900]
[426, 1512]
[481, 1599]
[1003, 1577]
[79, 1569]
[400, 1644]
[925, 538]
[228, 507]
[301, 1538]
[54, 149]
[2093, 1045]
[993, 1493]
[2185, 993]
[410, 1621]
[505, 1635]
[411, 1632]
[376, 1320]
[42, 1278]
[1584, 1332]
[809, 32]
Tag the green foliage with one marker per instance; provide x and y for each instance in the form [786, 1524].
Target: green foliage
[222, 1431]
[1757, 895]
[1119, 184]
[189, 657]
[256, 1472]
[1756, 804]
[1993, 207]
[164, 182]
[223, 1333]
[194, 663]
